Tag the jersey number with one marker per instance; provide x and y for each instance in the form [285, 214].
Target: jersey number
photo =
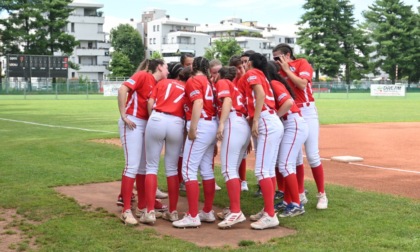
[168, 92]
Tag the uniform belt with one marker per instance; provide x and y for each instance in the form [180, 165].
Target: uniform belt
[209, 118]
[238, 113]
[285, 116]
[271, 111]
[305, 104]
[163, 112]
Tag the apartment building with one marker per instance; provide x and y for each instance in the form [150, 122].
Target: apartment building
[171, 37]
[85, 23]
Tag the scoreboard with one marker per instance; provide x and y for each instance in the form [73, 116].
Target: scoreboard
[21, 65]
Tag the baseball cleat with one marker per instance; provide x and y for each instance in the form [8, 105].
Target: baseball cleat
[266, 222]
[322, 201]
[244, 186]
[148, 217]
[216, 187]
[160, 194]
[206, 217]
[232, 219]
[140, 212]
[182, 187]
[128, 218]
[159, 207]
[303, 199]
[280, 207]
[187, 222]
[258, 193]
[222, 215]
[257, 216]
[292, 210]
[170, 216]
[278, 195]
[120, 201]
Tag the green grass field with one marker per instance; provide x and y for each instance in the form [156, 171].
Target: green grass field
[36, 158]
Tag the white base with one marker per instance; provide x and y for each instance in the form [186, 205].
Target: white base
[347, 159]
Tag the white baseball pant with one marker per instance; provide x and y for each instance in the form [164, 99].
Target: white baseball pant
[310, 114]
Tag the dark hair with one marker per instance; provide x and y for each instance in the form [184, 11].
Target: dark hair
[185, 74]
[201, 64]
[284, 48]
[235, 61]
[227, 73]
[273, 74]
[143, 66]
[247, 53]
[184, 56]
[154, 63]
[174, 69]
[259, 62]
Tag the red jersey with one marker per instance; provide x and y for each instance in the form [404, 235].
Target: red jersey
[169, 97]
[255, 77]
[240, 84]
[141, 85]
[225, 88]
[198, 87]
[302, 69]
[282, 95]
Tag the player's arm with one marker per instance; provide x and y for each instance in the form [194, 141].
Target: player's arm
[226, 106]
[285, 107]
[259, 102]
[122, 97]
[195, 116]
[300, 83]
[150, 104]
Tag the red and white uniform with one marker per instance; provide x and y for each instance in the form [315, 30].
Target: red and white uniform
[165, 126]
[270, 129]
[236, 134]
[140, 85]
[306, 102]
[295, 132]
[198, 153]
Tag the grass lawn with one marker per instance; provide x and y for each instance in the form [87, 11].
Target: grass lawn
[35, 158]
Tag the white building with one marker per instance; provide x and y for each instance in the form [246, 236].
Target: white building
[85, 23]
[276, 37]
[171, 37]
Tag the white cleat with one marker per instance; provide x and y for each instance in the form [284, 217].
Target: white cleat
[244, 186]
[148, 217]
[302, 198]
[170, 216]
[322, 201]
[206, 217]
[232, 219]
[216, 187]
[128, 218]
[257, 216]
[187, 222]
[266, 222]
[222, 215]
[160, 194]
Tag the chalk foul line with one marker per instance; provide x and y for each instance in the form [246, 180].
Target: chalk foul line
[57, 126]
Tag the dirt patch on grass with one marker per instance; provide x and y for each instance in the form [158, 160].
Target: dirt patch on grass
[11, 236]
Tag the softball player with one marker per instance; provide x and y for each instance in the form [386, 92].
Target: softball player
[165, 125]
[234, 133]
[298, 73]
[267, 131]
[199, 146]
[295, 135]
[132, 104]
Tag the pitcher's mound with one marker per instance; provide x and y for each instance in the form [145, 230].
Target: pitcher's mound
[105, 195]
[347, 159]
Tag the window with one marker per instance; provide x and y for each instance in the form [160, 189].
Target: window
[90, 45]
[279, 40]
[157, 27]
[150, 41]
[100, 28]
[73, 74]
[154, 40]
[72, 27]
[154, 28]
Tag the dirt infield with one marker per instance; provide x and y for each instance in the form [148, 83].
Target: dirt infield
[390, 152]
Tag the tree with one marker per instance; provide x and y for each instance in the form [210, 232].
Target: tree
[156, 55]
[127, 40]
[395, 29]
[120, 65]
[223, 49]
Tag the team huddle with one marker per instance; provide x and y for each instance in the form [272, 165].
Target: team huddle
[191, 105]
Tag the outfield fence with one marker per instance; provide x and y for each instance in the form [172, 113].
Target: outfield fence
[21, 89]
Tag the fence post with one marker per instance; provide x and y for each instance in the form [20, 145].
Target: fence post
[56, 91]
[87, 91]
[24, 90]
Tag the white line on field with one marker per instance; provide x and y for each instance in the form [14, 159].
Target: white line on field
[377, 167]
[56, 126]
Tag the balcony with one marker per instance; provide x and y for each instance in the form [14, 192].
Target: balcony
[86, 19]
[92, 68]
[91, 52]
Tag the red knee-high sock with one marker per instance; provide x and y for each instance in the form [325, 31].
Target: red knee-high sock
[274, 182]
[141, 192]
[151, 185]
[234, 191]
[318, 173]
[180, 179]
[242, 170]
[300, 176]
[287, 197]
[127, 184]
[193, 193]
[280, 180]
[173, 192]
[268, 195]
[292, 187]
[209, 192]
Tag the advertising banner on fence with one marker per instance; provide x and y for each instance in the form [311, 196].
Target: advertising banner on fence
[111, 89]
[387, 90]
